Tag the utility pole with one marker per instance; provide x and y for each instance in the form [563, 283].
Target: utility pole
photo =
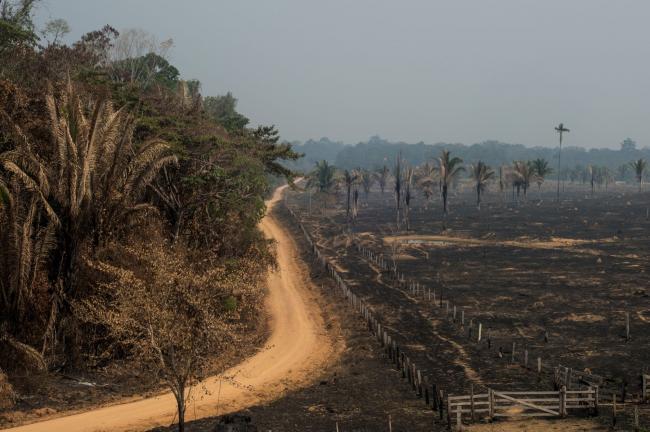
[560, 129]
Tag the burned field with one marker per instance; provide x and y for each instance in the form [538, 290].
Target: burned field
[559, 282]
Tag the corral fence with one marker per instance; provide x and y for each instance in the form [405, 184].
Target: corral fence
[518, 404]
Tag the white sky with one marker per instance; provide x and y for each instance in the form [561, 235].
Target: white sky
[428, 70]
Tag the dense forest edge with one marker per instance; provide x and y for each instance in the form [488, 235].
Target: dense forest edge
[129, 211]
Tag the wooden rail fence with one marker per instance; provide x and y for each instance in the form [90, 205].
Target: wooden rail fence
[494, 404]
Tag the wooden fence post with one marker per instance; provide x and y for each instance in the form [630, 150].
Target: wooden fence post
[441, 403]
[426, 391]
[480, 327]
[614, 409]
[563, 401]
[434, 397]
[448, 413]
[526, 359]
[491, 403]
[471, 401]
[636, 418]
[539, 365]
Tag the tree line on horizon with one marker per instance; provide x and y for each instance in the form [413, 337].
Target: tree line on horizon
[376, 152]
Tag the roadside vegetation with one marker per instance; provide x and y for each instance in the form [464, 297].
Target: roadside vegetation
[129, 206]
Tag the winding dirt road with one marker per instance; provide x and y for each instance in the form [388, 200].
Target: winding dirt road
[298, 346]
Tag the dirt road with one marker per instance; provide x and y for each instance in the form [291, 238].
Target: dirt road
[296, 350]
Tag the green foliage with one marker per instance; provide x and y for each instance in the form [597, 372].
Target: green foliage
[70, 200]
[230, 304]
[448, 168]
[376, 151]
[223, 110]
[16, 25]
[146, 71]
[639, 166]
[322, 177]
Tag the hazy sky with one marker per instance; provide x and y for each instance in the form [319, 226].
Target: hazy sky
[429, 70]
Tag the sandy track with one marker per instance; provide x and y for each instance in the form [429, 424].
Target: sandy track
[297, 348]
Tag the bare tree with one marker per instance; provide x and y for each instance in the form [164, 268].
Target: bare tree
[55, 30]
[172, 321]
[136, 56]
[560, 129]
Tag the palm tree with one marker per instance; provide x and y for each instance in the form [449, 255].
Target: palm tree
[349, 179]
[541, 169]
[639, 167]
[525, 175]
[408, 180]
[382, 175]
[425, 180]
[448, 168]
[323, 177]
[93, 180]
[481, 174]
[367, 181]
[398, 173]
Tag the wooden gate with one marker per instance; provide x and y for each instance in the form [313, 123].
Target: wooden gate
[495, 404]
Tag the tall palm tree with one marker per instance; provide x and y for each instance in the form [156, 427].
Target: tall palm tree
[525, 175]
[541, 169]
[398, 173]
[408, 181]
[639, 166]
[350, 177]
[592, 172]
[448, 168]
[382, 175]
[560, 129]
[323, 177]
[481, 174]
[425, 180]
[93, 179]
